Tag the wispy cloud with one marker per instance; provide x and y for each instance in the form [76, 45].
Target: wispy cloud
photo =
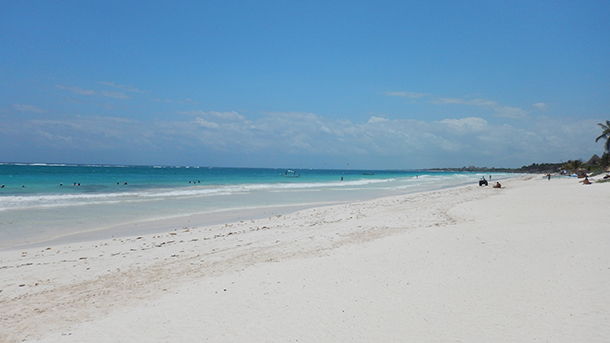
[91, 92]
[207, 124]
[175, 101]
[27, 108]
[390, 141]
[375, 119]
[125, 88]
[229, 115]
[498, 109]
[471, 102]
[465, 125]
[116, 95]
[77, 90]
[541, 106]
[82, 133]
[410, 95]
[510, 112]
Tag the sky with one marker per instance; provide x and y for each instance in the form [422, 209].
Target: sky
[303, 84]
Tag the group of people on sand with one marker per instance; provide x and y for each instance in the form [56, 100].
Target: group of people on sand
[483, 182]
[585, 180]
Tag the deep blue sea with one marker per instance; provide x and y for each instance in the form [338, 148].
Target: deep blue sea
[46, 202]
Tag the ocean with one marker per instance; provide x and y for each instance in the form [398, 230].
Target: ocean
[43, 203]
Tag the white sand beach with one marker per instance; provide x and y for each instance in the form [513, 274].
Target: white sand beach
[526, 263]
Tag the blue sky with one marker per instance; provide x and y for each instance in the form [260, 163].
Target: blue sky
[308, 84]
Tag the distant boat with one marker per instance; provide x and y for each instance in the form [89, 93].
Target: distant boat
[291, 173]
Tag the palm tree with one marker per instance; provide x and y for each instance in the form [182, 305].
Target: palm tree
[605, 134]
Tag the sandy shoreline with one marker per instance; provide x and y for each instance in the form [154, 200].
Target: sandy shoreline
[160, 226]
[529, 262]
[88, 224]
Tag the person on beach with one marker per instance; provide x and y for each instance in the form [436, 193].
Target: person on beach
[586, 181]
[497, 185]
[548, 176]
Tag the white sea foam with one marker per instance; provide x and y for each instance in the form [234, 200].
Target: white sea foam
[48, 164]
[16, 202]
[19, 202]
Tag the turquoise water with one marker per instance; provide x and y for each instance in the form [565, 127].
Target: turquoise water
[77, 179]
[39, 203]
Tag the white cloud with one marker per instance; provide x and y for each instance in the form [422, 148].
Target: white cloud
[27, 108]
[176, 101]
[207, 124]
[91, 92]
[510, 112]
[410, 95]
[230, 115]
[499, 110]
[375, 119]
[496, 108]
[77, 90]
[541, 106]
[381, 142]
[116, 95]
[465, 125]
[122, 87]
[82, 133]
[472, 102]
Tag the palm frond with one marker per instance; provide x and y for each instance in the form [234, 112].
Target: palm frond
[605, 134]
